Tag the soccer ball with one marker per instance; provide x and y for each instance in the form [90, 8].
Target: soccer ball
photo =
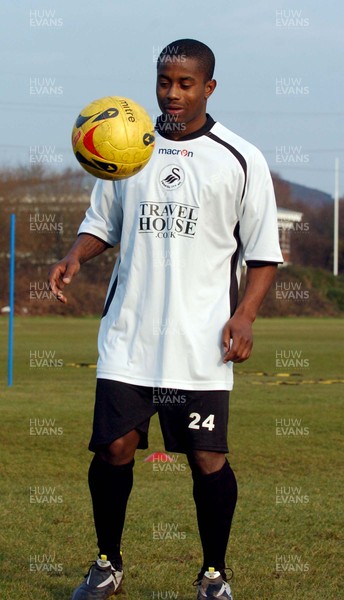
[113, 138]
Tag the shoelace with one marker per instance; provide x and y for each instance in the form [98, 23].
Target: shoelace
[231, 573]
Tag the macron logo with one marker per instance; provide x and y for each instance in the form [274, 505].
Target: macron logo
[175, 151]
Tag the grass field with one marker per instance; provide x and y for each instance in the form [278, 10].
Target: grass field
[286, 439]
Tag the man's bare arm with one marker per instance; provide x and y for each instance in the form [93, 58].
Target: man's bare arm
[239, 326]
[84, 248]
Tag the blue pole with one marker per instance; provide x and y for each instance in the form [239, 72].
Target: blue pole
[11, 319]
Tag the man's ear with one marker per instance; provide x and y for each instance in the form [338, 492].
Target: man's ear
[209, 88]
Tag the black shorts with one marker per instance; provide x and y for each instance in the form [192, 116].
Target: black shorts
[189, 420]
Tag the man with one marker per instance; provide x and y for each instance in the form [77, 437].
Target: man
[171, 319]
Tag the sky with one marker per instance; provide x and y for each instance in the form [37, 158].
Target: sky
[279, 68]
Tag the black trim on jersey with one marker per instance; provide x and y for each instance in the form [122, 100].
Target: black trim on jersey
[261, 263]
[97, 238]
[161, 124]
[236, 153]
[234, 285]
[110, 297]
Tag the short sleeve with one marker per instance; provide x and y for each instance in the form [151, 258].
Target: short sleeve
[258, 214]
[104, 217]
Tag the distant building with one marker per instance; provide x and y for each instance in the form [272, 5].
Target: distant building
[288, 222]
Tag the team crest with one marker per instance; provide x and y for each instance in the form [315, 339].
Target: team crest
[172, 177]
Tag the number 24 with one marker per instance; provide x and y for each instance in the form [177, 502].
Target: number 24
[208, 423]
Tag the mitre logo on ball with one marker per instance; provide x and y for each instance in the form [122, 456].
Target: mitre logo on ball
[113, 138]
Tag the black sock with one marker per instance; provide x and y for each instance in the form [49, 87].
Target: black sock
[110, 487]
[215, 497]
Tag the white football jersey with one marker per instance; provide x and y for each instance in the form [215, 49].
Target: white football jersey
[185, 222]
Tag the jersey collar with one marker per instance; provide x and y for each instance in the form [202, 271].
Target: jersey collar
[202, 131]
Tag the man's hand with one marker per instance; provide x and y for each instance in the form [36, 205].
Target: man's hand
[85, 247]
[61, 274]
[237, 339]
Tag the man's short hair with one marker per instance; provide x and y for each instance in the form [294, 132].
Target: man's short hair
[187, 48]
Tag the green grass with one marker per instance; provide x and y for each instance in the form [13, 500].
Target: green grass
[262, 530]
